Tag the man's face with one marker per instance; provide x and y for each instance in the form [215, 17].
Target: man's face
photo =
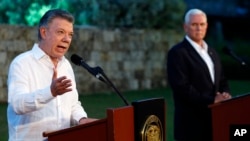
[196, 28]
[57, 37]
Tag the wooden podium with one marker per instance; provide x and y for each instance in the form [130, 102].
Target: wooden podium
[231, 112]
[119, 125]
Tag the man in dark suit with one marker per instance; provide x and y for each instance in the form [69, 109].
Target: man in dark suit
[195, 75]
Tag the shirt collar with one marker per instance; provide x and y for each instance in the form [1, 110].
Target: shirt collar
[197, 46]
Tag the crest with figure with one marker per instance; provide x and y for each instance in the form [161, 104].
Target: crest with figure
[152, 129]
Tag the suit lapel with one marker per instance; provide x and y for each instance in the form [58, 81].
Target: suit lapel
[197, 58]
[215, 61]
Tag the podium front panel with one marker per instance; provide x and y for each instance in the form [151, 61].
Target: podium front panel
[149, 116]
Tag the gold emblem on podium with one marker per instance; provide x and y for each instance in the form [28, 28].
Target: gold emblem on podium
[152, 129]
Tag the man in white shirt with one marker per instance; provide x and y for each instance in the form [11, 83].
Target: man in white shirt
[197, 80]
[42, 94]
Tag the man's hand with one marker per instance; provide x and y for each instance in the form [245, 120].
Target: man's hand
[60, 85]
[222, 96]
[86, 120]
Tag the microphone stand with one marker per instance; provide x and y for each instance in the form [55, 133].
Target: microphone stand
[228, 50]
[108, 82]
[241, 61]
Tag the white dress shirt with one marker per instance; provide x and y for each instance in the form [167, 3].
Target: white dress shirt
[202, 51]
[32, 109]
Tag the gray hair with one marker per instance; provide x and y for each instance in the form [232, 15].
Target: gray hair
[193, 12]
[52, 14]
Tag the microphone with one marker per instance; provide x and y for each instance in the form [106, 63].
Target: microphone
[77, 60]
[229, 51]
[97, 72]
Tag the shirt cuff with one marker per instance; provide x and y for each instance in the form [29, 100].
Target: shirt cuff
[46, 95]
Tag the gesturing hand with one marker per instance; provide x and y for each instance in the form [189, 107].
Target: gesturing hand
[60, 85]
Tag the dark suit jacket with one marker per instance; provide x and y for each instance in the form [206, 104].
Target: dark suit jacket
[193, 90]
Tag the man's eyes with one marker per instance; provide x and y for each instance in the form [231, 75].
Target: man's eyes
[61, 32]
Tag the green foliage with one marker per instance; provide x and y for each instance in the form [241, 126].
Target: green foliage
[34, 13]
[27, 12]
[138, 14]
[157, 14]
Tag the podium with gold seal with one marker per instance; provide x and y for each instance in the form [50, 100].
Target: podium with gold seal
[149, 116]
[144, 120]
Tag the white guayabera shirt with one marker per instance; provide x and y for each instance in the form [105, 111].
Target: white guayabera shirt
[32, 109]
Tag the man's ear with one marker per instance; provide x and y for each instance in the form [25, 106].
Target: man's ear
[185, 27]
[43, 32]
